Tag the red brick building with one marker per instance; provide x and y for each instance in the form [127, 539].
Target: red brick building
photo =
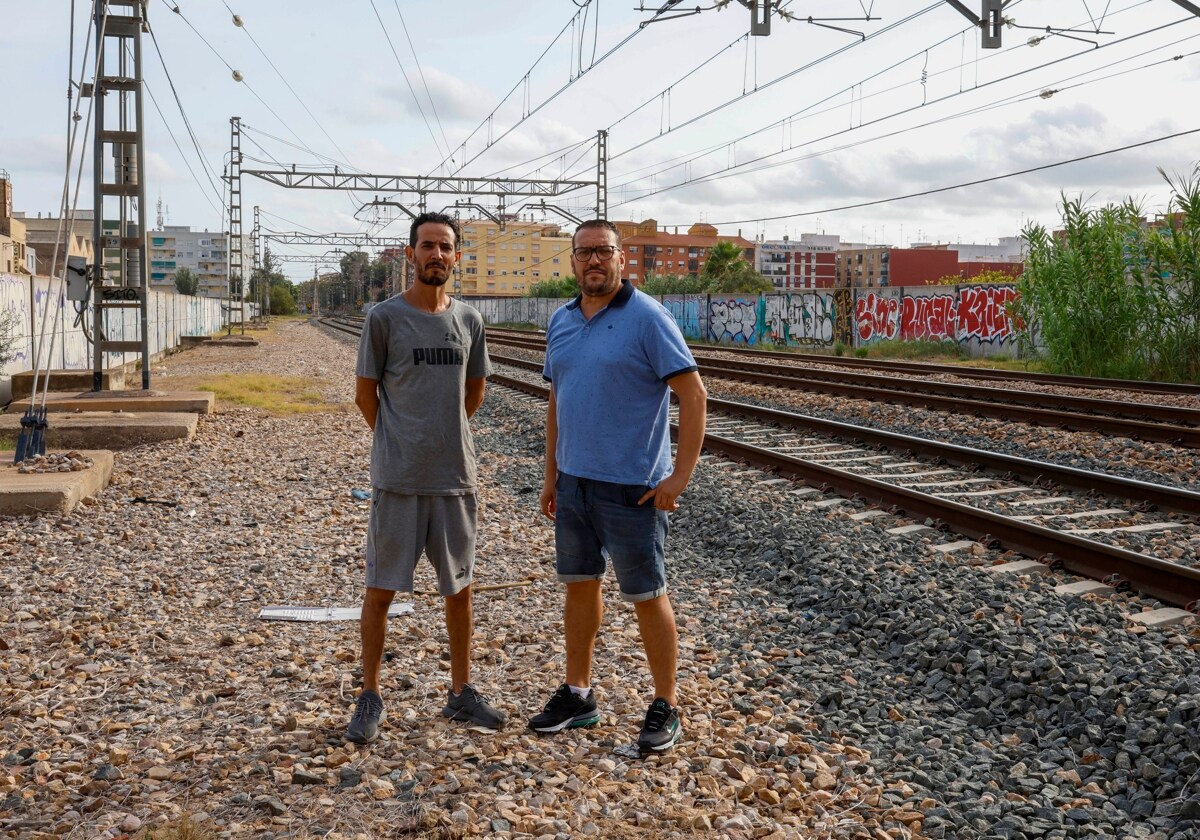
[649, 250]
[885, 266]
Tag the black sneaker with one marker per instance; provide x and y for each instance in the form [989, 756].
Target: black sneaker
[469, 706]
[661, 730]
[566, 710]
[368, 714]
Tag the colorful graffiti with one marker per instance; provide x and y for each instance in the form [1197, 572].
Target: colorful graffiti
[735, 321]
[983, 314]
[932, 318]
[799, 320]
[877, 317]
[686, 312]
[843, 317]
[968, 314]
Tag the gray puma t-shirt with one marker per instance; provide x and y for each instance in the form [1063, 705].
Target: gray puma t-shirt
[423, 444]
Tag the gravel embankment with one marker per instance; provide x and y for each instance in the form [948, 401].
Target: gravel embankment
[837, 682]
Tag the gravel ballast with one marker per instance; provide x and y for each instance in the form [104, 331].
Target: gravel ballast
[836, 681]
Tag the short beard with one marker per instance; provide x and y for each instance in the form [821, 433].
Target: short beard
[598, 288]
[428, 280]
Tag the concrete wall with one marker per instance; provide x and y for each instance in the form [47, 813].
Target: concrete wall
[974, 316]
[171, 315]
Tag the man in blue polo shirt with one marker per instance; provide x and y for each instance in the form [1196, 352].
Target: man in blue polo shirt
[613, 356]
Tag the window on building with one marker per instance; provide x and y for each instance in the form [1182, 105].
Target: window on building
[632, 249]
[633, 262]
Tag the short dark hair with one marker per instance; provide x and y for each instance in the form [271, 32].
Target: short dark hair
[437, 219]
[600, 224]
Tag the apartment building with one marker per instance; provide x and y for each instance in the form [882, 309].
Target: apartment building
[649, 250]
[43, 234]
[15, 256]
[204, 253]
[867, 267]
[809, 262]
[509, 261]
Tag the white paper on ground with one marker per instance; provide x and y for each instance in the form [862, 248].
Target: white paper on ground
[324, 613]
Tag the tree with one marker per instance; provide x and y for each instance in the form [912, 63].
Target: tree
[356, 275]
[186, 283]
[675, 284]
[283, 301]
[562, 287]
[10, 321]
[728, 272]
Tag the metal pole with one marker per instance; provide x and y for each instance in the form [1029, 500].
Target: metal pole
[98, 205]
[602, 174]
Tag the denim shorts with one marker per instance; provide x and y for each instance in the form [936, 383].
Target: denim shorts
[597, 521]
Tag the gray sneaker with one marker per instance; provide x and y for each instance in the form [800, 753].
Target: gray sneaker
[470, 707]
[368, 714]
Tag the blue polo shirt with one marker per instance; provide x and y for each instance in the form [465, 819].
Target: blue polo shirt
[610, 386]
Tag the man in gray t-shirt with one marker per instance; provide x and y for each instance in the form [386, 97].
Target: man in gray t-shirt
[420, 376]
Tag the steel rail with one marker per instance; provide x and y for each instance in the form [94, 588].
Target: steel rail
[1161, 579]
[1160, 496]
[1033, 399]
[921, 368]
[1186, 436]
[931, 369]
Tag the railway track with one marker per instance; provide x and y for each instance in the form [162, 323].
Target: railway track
[1122, 418]
[974, 493]
[874, 477]
[930, 369]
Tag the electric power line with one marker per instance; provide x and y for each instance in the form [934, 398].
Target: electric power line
[963, 185]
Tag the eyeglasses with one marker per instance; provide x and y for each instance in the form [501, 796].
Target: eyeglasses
[604, 252]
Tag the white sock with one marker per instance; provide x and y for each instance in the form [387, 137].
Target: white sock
[580, 692]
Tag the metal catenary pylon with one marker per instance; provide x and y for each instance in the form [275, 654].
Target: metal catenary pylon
[120, 201]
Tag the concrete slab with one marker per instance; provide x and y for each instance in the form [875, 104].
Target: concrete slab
[194, 402]
[805, 491]
[950, 548]
[828, 503]
[112, 379]
[868, 514]
[1164, 617]
[38, 493]
[1020, 567]
[909, 529]
[1084, 587]
[110, 430]
[774, 482]
[1128, 529]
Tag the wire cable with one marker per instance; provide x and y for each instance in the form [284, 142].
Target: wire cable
[894, 114]
[283, 79]
[428, 94]
[403, 73]
[963, 185]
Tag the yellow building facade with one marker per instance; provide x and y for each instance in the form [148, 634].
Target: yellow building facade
[507, 262]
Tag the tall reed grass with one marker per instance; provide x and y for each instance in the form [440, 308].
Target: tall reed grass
[1110, 295]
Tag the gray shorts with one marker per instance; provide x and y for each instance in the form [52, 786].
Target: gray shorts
[401, 527]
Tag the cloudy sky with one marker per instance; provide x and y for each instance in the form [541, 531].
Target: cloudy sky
[764, 135]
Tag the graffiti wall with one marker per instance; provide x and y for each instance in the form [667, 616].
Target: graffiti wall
[43, 318]
[975, 316]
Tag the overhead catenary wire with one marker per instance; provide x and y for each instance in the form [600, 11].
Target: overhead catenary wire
[428, 93]
[963, 185]
[741, 168]
[186, 122]
[661, 167]
[283, 79]
[807, 66]
[404, 74]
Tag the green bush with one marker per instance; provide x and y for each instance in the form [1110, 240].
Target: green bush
[282, 302]
[862, 352]
[839, 348]
[1112, 296]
